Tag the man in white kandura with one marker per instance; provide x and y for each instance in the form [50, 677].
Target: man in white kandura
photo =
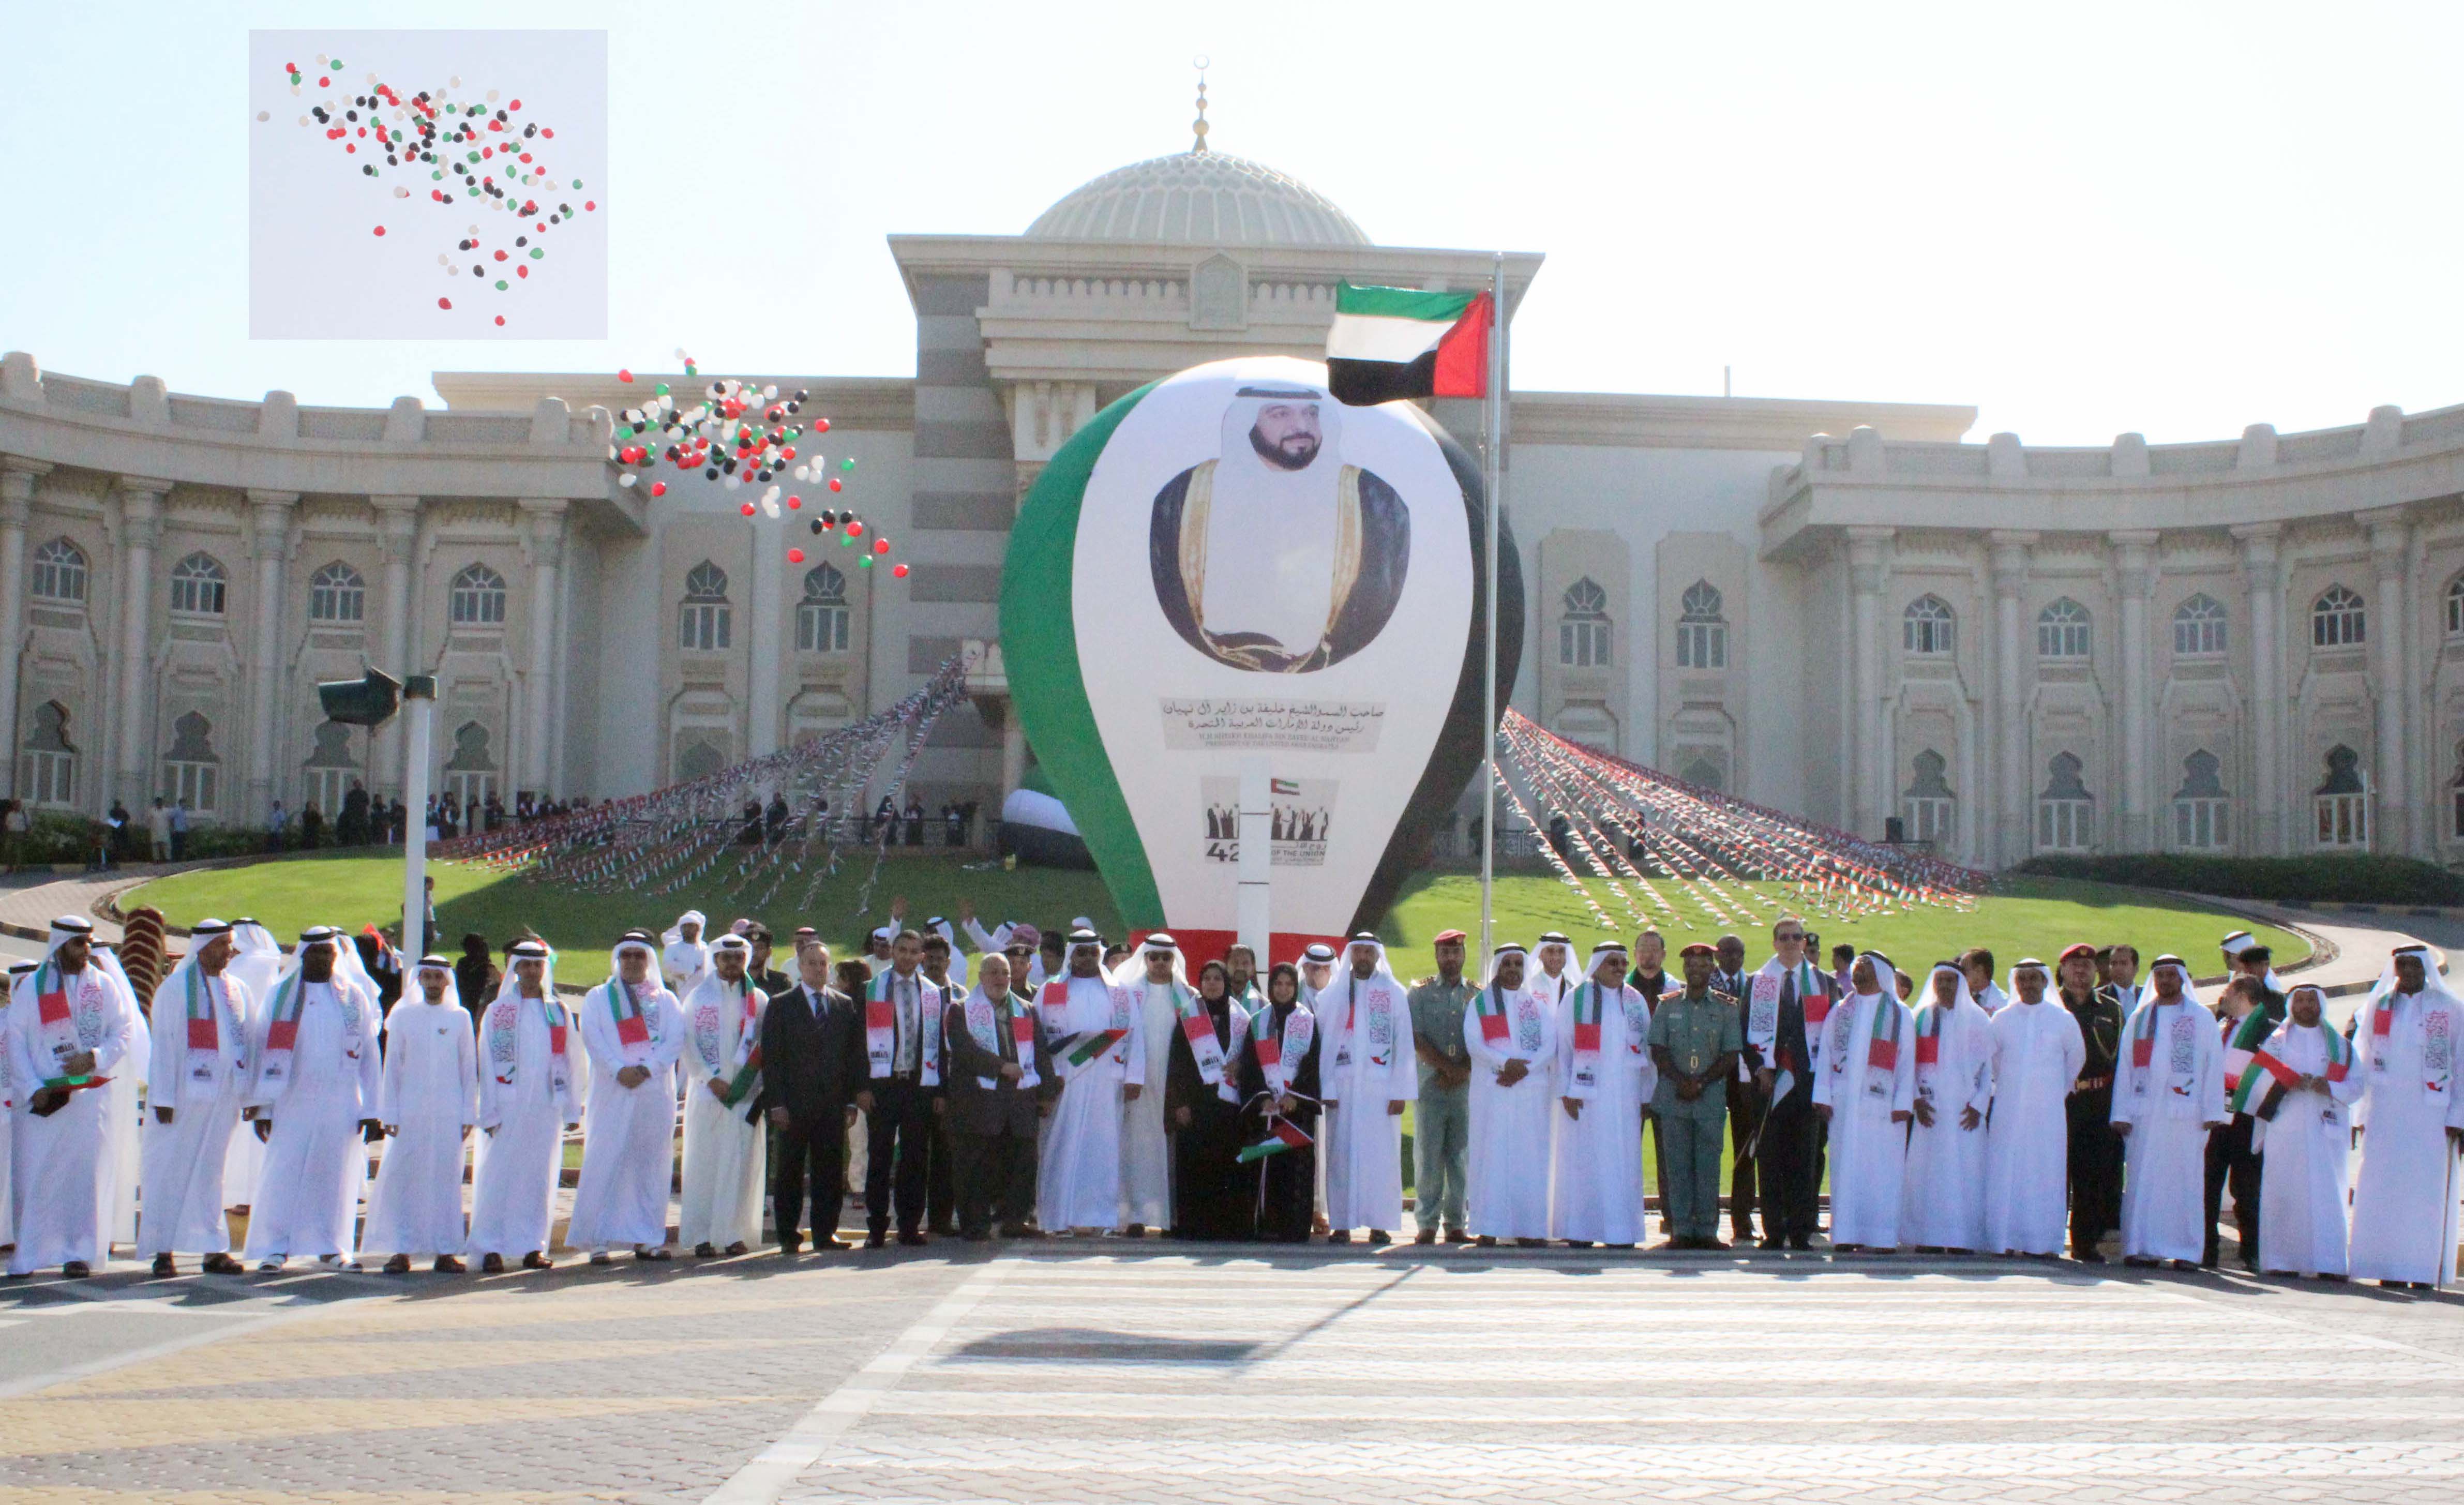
[1942, 1208]
[1605, 1081]
[1092, 1028]
[1158, 980]
[2298, 1089]
[2169, 1091]
[2412, 1122]
[1512, 1033]
[200, 1080]
[429, 1104]
[1866, 1090]
[1367, 1074]
[257, 960]
[2038, 1052]
[1552, 974]
[725, 1156]
[72, 1024]
[632, 1030]
[319, 1077]
[530, 1094]
[8, 1092]
[687, 956]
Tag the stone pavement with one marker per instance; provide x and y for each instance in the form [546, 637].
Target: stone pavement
[1127, 1372]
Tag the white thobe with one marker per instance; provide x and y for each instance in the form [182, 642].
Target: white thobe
[1942, 1205]
[2405, 1198]
[1595, 1170]
[1868, 1152]
[2307, 1147]
[2038, 1051]
[522, 1123]
[124, 1111]
[317, 1158]
[725, 1154]
[683, 964]
[2169, 1103]
[1146, 1151]
[1079, 1182]
[258, 970]
[1365, 1064]
[431, 1101]
[182, 1169]
[7, 1130]
[1506, 1196]
[63, 1174]
[628, 1134]
[1993, 1000]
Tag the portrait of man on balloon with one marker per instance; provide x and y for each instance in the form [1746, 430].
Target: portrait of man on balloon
[1277, 557]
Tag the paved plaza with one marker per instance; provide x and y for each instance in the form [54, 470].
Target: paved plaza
[1133, 1372]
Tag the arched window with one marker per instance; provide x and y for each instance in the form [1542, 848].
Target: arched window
[2199, 629]
[1929, 803]
[478, 598]
[197, 585]
[822, 616]
[337, 592]
[191, 771]
[1701, 632]
[700, 760]
[47, 763]
[59, 572]
[1583, 633]
[331, 766]
[2066, 812]
[2202, 809]
[2341, 801]
[1926, 627]
[1703, 773]
[704, 620]
[2455, 795]
[471, 773]
[2335, 620]
[2455, 607]
[2062, 630]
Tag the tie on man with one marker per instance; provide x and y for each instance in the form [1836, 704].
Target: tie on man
[812, 1062]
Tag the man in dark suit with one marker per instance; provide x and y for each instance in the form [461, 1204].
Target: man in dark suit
[996, 1093]
[812, 1065]
[902, 1041]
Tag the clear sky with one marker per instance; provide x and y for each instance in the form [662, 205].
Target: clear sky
[2171, 217]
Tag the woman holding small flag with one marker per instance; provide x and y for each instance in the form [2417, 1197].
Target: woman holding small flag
[2404, 1197]
[2299, 1089]
[530, 1093]
[2169, 1091]
[1604, 1084]
[1941, 1207]
[1279, 1108]
[71, 1025]
[319, 1077]
[632, 1031]
[1865, 1090]
[1511, 1032]
[1202, 1103]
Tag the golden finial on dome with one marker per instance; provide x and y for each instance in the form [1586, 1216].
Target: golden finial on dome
[1199, 126]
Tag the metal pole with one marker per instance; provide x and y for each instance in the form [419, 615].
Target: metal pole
[419, 699]
[1496, 478]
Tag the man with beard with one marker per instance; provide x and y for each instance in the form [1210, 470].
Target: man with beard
[1511, 1033]
[1696, 1038]
[1092, 1028]
[1440, 1129]
[1367, 1076]
[2095, 1149]
[530, 1093]
[71, 1025]
[315, 1103]
[200, 1081]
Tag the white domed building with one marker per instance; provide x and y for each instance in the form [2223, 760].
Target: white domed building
[2254, 645]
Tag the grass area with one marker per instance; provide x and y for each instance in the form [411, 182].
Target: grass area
[2026, 915]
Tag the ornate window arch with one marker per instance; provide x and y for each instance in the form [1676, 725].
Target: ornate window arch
[2455, 607]
[1702, 630]
[326, 775]
[2062, 630]
[46, 761]
[705, 619]
[1929, 805]
[1926, 627]
[2338, 619]
[2199, 627]
[477, 599]
[471, 773]
[2065, 810]
[199, 585]
[2341, 801]
[338, 593]
[2202, 807]
[191, 769]
[822, 616]
[1583, 627]
[59, 572]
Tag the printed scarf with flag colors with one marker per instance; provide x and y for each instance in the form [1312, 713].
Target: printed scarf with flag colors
[504, 1018]
[1588, 1005]
[1276, 1046]
[1021, 1034]
[1197, 1027]
[2263, 1085]
[1490, 1007]
[203, 1025]
[57, 1024]
[632, 1027]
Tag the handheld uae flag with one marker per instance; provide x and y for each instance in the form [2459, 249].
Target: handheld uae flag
[1398, 342]
[1286, 1135]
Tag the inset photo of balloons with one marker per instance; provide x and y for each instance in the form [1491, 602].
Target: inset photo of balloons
[442, 185]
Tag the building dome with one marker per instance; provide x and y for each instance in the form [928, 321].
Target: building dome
[1197, 197]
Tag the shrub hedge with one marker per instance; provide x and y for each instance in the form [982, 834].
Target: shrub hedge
[2402, 881]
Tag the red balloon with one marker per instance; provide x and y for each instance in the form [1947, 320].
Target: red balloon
[795, 556]
[500, 320]
[834, 484]
[898, 570]
[444, 302]
[658, 488]
[380, 229]
[820, 426]
[795, 502]
[881, 546]
[625, 376]
[855, 530]
[748, 509]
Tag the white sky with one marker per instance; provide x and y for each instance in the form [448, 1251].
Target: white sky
[2171, 217]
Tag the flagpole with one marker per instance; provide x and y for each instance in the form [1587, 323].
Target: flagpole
[1496, 480]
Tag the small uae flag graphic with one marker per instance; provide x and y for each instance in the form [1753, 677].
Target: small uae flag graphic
[1398, 342]
[1286, 786]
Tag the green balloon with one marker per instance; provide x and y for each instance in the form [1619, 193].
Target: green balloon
[847, 464]
[865, 563]
[536, 253]
[500, 284]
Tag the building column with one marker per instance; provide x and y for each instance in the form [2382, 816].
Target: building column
[1013, 750]
[2134, 560]
[16, 504]
[2009, 551]
[2264, 810]
[271, 514]
[397, 532]
[543, 539]
[141, 529]
[762, 644]
[2391, 627]
[1868, 571]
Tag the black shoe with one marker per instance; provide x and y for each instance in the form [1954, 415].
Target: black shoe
[878, 1238]
[492, 1265]
[831, 1242]
[1579, 1243]
[166, 1265]
[790, 1246]
[398, 1265]
[1341, 1235]
[1487, 1241]
[1378, 1239]
[448, 1265]
[76, 1270]
[1772, 1244]
[1530, 1243]
[1801, 1243]
[944, 1230]
[913, 1240]
[1134, 1231]
[705, 1250]
[1426, 1235]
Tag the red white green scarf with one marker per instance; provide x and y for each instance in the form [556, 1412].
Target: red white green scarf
[982, 1026]
[2268, 1078]
[273, 1072]
[745, 1061]
[504, 1025]
[1198, 1028]
[1762, 1006]
[1589, 1005]
[204, 1026]
[1881, 1044]
[881, 1027]
[632, 1025]
[1279, 1051]
[69, 1029]
[2181, 1056]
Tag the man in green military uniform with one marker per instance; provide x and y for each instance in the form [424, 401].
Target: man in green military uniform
[1695, 1041]
[1442, 1128]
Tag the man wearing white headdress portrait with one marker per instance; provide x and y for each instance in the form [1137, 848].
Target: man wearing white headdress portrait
[315, 1101]
[1865, 1089]
[1605, 1080]
[1512, 1033]
[200, 1080]
[725, 1156]
[530, 1094]
[2038, 1052]
[1942, 1208]
[1278, 556]
[1094, 1030]
[72, 1025]
[430, 1102]
[2404, 1197]
[2169, 1091]
[1367, 1075]
[1157, 978]
[632, 1031]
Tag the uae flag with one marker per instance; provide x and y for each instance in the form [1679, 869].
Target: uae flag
[1398, 342]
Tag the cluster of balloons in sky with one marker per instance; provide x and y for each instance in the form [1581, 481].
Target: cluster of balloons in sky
[736, 433]
[463, 147]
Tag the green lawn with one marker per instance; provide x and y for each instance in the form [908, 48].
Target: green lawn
[2025, 915]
